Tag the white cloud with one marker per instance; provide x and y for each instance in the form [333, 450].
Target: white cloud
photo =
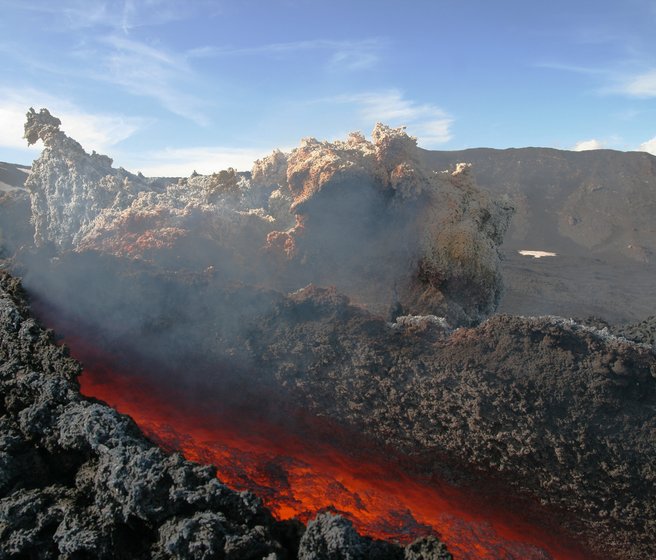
[642, 85]
[592, 144]
[180, 162]
[649, 146]
[94, 131]
[428, 122]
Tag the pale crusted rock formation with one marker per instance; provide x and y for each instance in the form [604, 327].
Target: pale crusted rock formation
[68, 187]
[201, 220]
[367, 217]
[80, 202]
[370, 216]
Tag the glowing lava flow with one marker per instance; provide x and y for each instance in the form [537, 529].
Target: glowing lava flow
[298, 476]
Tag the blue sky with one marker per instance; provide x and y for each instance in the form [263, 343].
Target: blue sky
[169, 86]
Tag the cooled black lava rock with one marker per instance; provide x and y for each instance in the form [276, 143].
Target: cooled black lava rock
[427, 548]
[642, 331]
[80, 480]
[540, 407]
[331, 537]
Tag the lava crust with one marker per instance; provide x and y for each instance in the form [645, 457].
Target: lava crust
[544, 408]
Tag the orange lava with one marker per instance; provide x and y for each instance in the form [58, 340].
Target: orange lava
[300, 475]
[301, 465]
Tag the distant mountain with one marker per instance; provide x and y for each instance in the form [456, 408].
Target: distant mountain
[12, 176]
[600, 202]
[15, 227]
[595, 209]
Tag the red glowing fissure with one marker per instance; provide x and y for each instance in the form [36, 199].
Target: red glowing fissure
[300, 474]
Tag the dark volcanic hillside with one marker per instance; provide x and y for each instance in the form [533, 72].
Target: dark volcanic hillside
[12, 176]
[599, 201]
[594, 209]
[15, 228]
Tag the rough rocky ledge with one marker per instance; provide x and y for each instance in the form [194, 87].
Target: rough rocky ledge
[79, 480]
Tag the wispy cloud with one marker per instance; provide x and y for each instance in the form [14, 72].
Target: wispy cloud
[585, 145]
[117, 15]
[144, 70]
[640, 85]
[94, 131]
[180, 162]
[105, 50]
[428, 122]
[604, 73]
[614, 80]
[350, 55]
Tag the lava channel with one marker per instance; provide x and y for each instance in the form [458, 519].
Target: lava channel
[299, 473]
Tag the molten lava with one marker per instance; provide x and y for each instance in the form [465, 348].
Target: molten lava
[303, 471]
[298, 477]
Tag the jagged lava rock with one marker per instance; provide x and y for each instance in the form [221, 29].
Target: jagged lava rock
[374, 221]
[543, 410]
[546, 407]
[77, 479]
[368, 217]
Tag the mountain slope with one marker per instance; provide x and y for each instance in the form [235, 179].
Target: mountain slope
[593, 209]
[600, 201]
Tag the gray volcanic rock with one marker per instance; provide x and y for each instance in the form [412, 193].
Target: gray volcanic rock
[331, 537]
[642, 331]
[558, 411]
[428, 548]
[77, 478]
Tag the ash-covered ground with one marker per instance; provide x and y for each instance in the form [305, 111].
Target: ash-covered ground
[391, 337]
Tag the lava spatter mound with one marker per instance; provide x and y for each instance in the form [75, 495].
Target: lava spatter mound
[367, 217]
